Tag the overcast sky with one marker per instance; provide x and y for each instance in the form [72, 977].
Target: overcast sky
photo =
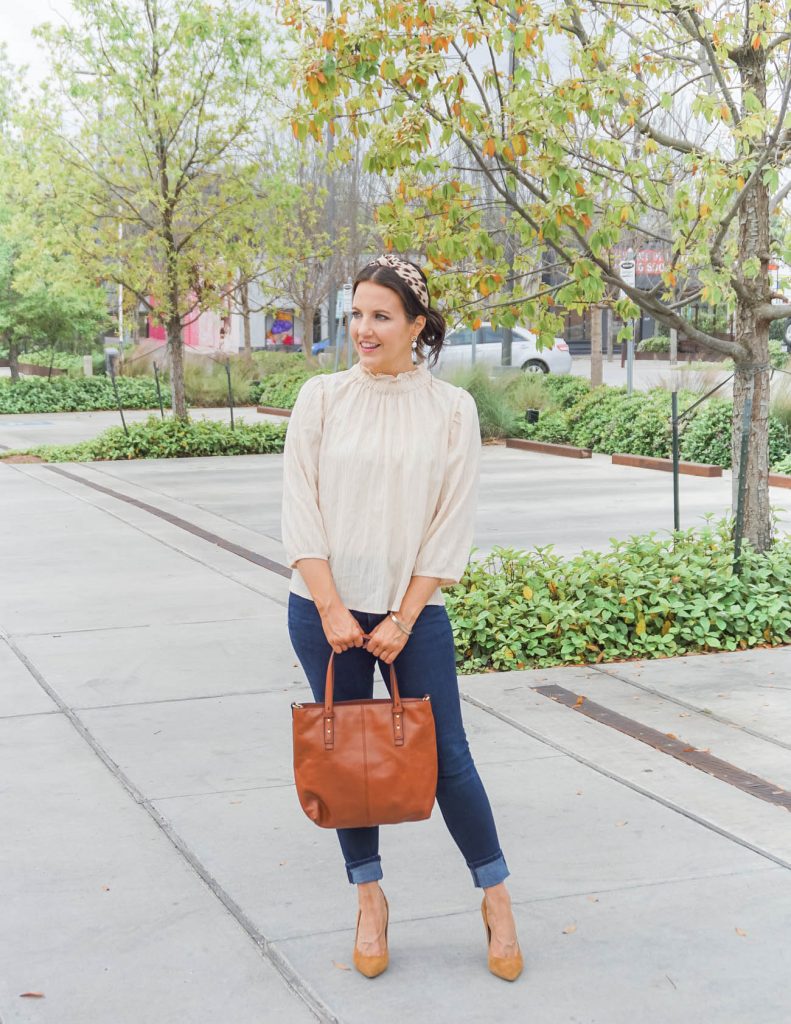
[16, 31]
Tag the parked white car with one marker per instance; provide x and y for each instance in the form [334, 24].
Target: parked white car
[459, 350]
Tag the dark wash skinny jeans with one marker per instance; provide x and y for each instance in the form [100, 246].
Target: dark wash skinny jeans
[425, 665]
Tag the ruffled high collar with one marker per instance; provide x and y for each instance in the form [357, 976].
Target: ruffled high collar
[408, 380]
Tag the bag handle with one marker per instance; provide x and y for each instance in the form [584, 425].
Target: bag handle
[329, 706]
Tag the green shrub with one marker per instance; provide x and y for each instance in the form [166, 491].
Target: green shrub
[783, 466]
[642, 426]
[778, 357]
[565, 391]
[659, 343]
[552, 427]
[591, 418]
[267, 363]
[708, 437]
[170, 438]
[85, 394]
[642, 598]
[280, 390]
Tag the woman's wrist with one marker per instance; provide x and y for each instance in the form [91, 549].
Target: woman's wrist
[403, 626]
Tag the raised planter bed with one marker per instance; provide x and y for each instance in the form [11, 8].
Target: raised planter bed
[35, 370]
[779, 480]
[648, 462]
[270, 410]
[568, 450]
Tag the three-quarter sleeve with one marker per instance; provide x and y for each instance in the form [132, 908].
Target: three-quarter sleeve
[445, 550]
[302, 526]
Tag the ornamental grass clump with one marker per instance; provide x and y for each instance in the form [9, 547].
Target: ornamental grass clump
[496, 415]
[645, 597]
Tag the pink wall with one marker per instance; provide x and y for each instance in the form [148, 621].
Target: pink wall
[191, 332]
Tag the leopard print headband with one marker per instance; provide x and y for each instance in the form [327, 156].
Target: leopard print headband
[407, 273]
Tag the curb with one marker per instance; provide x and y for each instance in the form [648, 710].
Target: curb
[270, 410]
[648, 462]
[568, 450]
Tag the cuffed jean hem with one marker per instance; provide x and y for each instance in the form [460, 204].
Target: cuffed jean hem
[365, 871]
[486, 875]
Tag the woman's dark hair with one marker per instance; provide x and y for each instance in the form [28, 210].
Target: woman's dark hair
[432, 336]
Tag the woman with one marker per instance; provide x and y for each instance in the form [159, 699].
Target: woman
[381, 467]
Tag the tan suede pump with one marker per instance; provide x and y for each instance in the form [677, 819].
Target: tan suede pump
[371, 966]
[506, 967]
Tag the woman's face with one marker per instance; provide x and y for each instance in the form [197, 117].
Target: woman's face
[380, 330]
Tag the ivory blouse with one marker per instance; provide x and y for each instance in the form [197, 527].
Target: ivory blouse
[380, 478]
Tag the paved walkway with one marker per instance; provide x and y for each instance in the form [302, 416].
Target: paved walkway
[155, 865]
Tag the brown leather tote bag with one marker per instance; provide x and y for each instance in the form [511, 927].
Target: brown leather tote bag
[365, 762]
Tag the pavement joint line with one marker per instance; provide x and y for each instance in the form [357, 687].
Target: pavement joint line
[292, 979]
[219, 792]
[184, 524]
[101, 469]
[713, 716]
[136, 625]
[133, 526]
[176, 700]
[785, 798]
[31, 714]
[531, 900]
[581, 759]
[671, 745]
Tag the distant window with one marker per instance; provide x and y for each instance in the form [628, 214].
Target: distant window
[463, 337]
[489, 335]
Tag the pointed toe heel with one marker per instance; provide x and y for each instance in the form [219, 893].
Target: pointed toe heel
[506, 967]
[372, 966]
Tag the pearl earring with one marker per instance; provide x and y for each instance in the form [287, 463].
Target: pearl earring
[414, 351]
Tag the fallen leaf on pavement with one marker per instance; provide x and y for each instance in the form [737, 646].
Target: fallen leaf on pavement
[341, 967]
[741, 931]
[579, 702]
[32, 995]
[569, 929]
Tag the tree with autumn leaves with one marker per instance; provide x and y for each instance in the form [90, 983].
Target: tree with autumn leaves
[150, 131]
[531, 145]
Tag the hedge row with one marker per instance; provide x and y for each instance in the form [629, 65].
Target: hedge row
[609, 420]
[170, 438]
[86, 394]
[646, 597]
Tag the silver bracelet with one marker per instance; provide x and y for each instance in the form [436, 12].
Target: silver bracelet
[400, 625]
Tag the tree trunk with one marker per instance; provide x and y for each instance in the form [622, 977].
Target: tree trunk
[308, 316]
[176, 349]
[13, 359]
[752, 371]
[757, 512]
[596, 351]
[248, 344]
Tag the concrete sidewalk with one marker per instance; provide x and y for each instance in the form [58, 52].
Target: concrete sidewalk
[156, 867]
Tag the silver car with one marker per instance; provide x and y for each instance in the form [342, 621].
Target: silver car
[463, 347]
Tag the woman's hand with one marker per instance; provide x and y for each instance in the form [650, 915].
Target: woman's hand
[387, 641]
[341, 628]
